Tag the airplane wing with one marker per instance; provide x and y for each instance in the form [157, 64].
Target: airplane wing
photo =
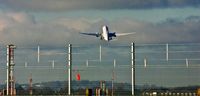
[124, 34]
[91, 34]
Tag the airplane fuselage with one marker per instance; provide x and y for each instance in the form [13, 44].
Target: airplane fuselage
[105, 33]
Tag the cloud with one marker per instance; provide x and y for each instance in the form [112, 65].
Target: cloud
[20, 28]
[174, 30]
[63, 5]
[12, 18]
[11, 22]
[170, 31]
[20, 17]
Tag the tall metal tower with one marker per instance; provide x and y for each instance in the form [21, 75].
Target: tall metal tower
[10, 70]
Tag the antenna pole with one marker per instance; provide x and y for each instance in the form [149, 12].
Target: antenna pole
[133, 68]
[38, 59]
[167, 51]
[69, 68]
[100, 53]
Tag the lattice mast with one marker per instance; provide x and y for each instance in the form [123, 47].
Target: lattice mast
[10, 70]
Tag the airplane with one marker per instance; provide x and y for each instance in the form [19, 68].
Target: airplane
[106, 34]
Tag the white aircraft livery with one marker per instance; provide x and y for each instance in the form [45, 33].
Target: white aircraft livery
[106, 35]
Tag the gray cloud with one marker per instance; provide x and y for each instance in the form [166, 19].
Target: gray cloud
[22, 29]
[63, 5]
[169, 31]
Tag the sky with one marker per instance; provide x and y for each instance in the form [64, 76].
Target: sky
[52, 23]
[56, 23]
